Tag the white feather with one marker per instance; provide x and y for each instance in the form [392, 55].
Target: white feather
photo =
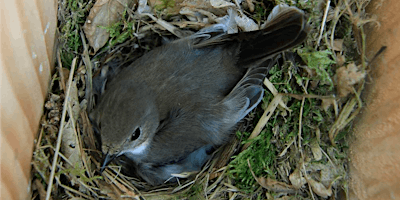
[139, 149]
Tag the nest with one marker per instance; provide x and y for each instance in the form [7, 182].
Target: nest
[294, 145]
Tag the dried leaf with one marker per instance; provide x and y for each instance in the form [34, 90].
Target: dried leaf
[229, 21]
[251, 5]
[275, 186]
[70, 146]
[316, 150]
[169, 7]
[284, 198]
[347, 77]
[88, 137]
[319, 188]
[40, 188]
[198, 15]
[221, 3]
[53, 102]
[340, 59]
[326, 103]
[168, 26]
[271, 184]
[297, 179]
[73, 101]
[314, 84]
[104, 13]
[65, 72]
[318, 134]
[191, 14]
[214, 175]
[326, 173]
[203, 5]
[245, 23]
[338, 45]
[143, 7]
[109, 189]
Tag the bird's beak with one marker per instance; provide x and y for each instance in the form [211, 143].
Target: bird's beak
[107, 160]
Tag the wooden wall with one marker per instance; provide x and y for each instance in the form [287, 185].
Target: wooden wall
[26, 59]
[375, 152]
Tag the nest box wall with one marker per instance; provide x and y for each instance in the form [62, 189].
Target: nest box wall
[26, 58]
[375, 152]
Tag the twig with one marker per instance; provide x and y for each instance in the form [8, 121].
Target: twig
[60, 133]
[274, 91]
[287, 147]
[264, 119]
[40, 138]
[301, 96]
[212, 186]
[305, 174]
[301, 116]
[312, 193]
[233, 196]
[216, 192]
[337, 17]
[345, 117]
[89, 67]
[60, 71]
[328, 2]
[180, 187]
[327, 156]
[79, 180]
[300, 123]
[229, 184]
[72, 190]
[83, 155]
[363, 48]
[166, 25]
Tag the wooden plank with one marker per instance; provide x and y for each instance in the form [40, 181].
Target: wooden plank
[375, 153]
[26, 60]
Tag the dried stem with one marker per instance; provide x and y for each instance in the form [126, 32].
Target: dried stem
[60, 133]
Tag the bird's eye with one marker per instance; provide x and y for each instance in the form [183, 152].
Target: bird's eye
[136, 134]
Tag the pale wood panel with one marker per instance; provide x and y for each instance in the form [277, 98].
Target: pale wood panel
[27, 35]
[375, 153]
[4, 193]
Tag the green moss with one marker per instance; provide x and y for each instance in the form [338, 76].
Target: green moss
[164, 5]
[320, 62]
[70, 20]
[261, 154]
[120, 31]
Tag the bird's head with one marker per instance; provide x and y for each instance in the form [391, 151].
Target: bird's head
[127, 119]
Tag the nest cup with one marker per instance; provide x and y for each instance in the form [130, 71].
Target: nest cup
[27, 62]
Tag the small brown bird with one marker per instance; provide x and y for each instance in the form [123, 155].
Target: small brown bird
[170, 108]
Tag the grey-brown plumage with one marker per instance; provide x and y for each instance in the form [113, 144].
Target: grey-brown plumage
[170, 108]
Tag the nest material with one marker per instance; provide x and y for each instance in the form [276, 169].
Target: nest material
[292, 146]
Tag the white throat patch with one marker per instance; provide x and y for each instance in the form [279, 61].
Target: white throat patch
[139, 149]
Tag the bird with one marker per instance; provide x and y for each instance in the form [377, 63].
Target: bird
[167, 111]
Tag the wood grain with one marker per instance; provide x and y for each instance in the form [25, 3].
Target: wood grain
[375, 152]
[26, 60]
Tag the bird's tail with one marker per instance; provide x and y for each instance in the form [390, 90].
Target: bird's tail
[286, 27]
